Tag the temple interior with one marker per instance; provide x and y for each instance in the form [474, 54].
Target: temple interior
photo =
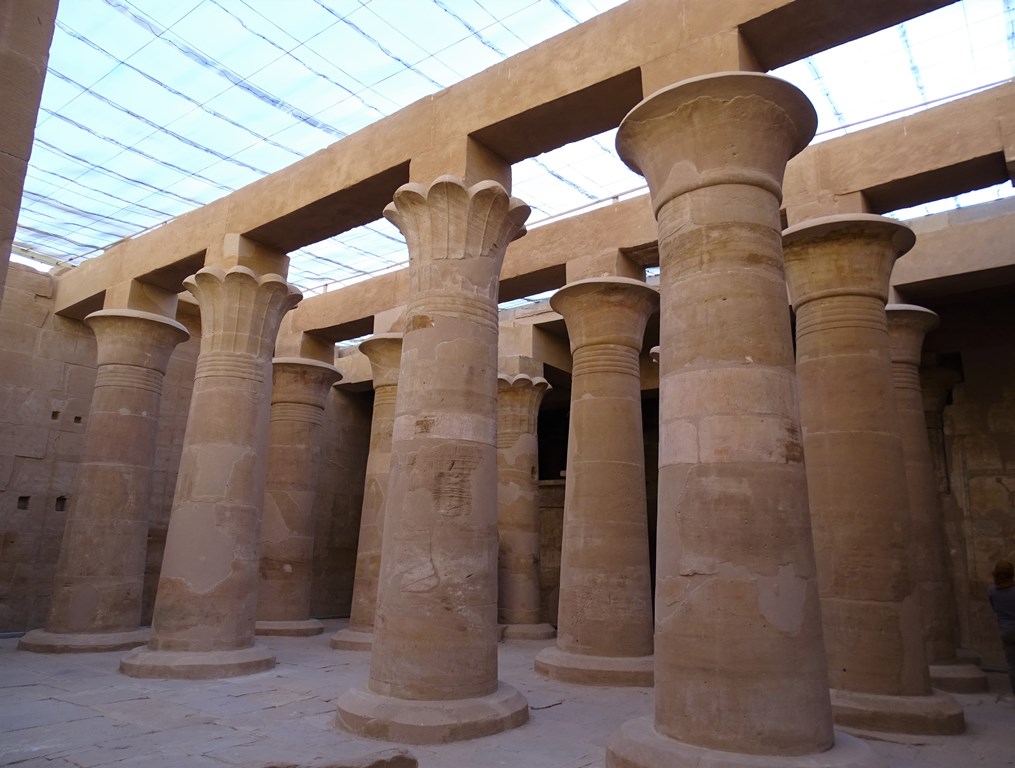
[708, 468]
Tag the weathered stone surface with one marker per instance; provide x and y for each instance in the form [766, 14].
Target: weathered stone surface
[208, 585]
[299, 392]
[98, 585]
[518, 399]
[384, 352]
[604, 555]
[837, 271]
[738, 629]
[435, 632]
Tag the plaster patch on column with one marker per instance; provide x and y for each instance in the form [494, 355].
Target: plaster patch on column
[781, 599]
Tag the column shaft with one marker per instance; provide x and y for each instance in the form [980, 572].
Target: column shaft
[97, 590]
[740, 666]
[299, 391]
[435, 631]
[203, 624]
[604, 623]
[384, 352]
[838, 270]
[518, 400]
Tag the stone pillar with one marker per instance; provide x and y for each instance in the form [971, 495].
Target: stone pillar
[299, 391]
[96, 603]
[203, 625]
[740, 674]
[384, 350]
[433, 671]
[837, 269]
[518, 399]
[907, 326]
[604, 619]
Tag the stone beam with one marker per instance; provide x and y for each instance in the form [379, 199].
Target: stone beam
[574, 85]
[949, 149]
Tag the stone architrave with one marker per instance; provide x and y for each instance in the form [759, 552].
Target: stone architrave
[96, 604]
[740, 673]
[837, 270]
[384, 350]
[299, 391]
[433, 669]
[518, 399]
[907, 327]
[604, 618]
[203, 625]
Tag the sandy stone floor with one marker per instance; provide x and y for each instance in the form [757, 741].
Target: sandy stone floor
[77, 710]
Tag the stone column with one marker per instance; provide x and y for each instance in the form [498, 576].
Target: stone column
[907, 326]
[203, 625]
[433, 671]
[96, 603]
[837, 269]
[518, 399]
[384, 350]
[299, 391]
[604, 619]
[740, 674]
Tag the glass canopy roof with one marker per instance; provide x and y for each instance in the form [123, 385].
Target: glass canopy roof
[151, 109]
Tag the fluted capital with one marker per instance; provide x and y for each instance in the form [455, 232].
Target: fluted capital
[303, 381]
[456, 235]
[847, 255]
[518, 401]
[724, 128]
[907, 326]
[384, 351]
[240, 310]
[606, 310]
[132, 337]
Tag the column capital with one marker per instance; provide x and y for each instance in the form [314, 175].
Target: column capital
[456, 235]
[606, 310]
[240, 310]
[384, 351]
[519, 398]
[722, 128]
[301, 380]
[133, 337]
[908, 324]
[848, 255]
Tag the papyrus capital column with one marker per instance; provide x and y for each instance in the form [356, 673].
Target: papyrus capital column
[299, 391]
[908, 325]
[203, 624]
[518, 400]
[433, 670]
[838, 271]
[96, 604]
[384, 350]
[738, 629]
[604, 619]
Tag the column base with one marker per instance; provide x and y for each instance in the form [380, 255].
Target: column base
[352, 640]
[934, 714]
[595, 670]
[958, 678]
[406, 721]
[41, 641]
[196, 665]
[637, 744]
[529, 632]
[305, 628]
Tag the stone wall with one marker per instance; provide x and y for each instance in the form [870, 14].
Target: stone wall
[979, 426]
[551, 528]
[48, 373]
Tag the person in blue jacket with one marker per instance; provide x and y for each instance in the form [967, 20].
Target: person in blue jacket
[1002, 599]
